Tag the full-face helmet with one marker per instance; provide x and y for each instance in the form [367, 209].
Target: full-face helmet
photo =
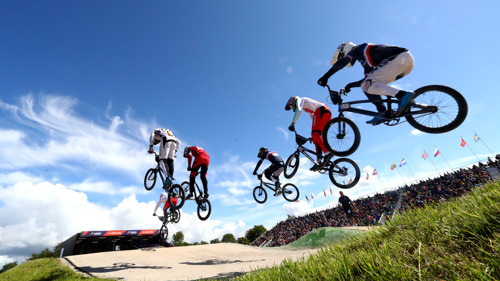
[290, 102]
[262, 151]
[187, 150]
[341, 51]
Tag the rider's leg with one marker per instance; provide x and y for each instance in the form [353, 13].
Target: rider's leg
[203, 178]
[165, 148]
[170, 157]
[269, 173]
[388, 71]
[164, 167]
[321, 116]
[191, 185]
[170, 164]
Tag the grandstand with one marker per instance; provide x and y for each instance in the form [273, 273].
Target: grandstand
[378, 208]
[86, 242]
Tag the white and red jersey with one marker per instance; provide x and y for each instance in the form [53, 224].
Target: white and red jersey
[308, 105]
[164, 199]
[167, 136]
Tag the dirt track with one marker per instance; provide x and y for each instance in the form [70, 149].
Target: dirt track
[182, 263]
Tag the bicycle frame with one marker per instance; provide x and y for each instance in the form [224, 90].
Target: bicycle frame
[269, 185]
[305, 151]
[389, 101]
[160, 172]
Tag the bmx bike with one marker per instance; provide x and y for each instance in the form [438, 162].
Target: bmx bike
[435, 109]
[204, 208]
[343, 172]
[172, 217]
[289, 191]
[168, 185]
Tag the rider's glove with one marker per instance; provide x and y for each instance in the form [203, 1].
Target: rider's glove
[348, 87]
[254, 173]
[151, 151]
[189, 168]
[291, 127]
[323, 81]
[154, 214]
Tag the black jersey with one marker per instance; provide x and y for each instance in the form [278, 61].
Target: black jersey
[371, 55]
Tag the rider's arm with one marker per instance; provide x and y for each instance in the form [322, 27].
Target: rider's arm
[257, 166]
[190, 157]
[338, 66]
[151, 139]
[356, 84]
[298, 109]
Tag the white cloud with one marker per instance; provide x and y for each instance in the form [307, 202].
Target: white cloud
[38, 216]
[286, 134]
[416, 132]
[289, 69]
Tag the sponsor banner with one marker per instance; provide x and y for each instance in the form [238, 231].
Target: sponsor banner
[119, 233]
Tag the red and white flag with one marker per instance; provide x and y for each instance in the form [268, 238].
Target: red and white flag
[463, 143]
[374, 172]
[425, 155]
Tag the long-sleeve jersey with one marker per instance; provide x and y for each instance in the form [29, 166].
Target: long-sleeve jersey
[272, 156]
[164, 199]
[308, 105]
[167, 136]
[368, 54]
[197, 152]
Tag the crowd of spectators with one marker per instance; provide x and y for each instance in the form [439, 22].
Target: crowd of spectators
[369, 210]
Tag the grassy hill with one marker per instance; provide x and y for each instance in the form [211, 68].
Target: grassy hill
[320, 237]
[44, 269]
[458, 240]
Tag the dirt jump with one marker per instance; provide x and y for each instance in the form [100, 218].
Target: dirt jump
[220, 260]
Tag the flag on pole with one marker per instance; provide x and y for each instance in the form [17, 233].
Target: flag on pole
[324, 192]
[436, 152]
[374, 172]
[331, 192]
[463, 143]
[312, 195]
[403, 162]
[307, 198]
[350, 181]
[367, 175]
[476, 137]
[393, 166]
[425, 155]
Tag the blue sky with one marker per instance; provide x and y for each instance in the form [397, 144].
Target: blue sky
[83, 83]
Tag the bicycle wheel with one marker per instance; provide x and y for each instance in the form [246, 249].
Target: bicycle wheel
[290, 192]
[163, 232]
[180, 200]
[291, 165]
[204, 209]
[341, 136]
[176, 216]
[443, 109]
[150, 178]
[344, 173]
[259, 194]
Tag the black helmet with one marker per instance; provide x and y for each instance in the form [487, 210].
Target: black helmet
[187, 150]
[262, 151]
[290, 102]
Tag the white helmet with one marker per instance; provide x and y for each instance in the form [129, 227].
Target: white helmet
[341, 51]
[163, 194]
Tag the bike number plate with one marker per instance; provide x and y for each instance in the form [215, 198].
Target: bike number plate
[345, 105]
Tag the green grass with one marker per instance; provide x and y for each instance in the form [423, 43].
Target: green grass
[459, 240]
[43, 270]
